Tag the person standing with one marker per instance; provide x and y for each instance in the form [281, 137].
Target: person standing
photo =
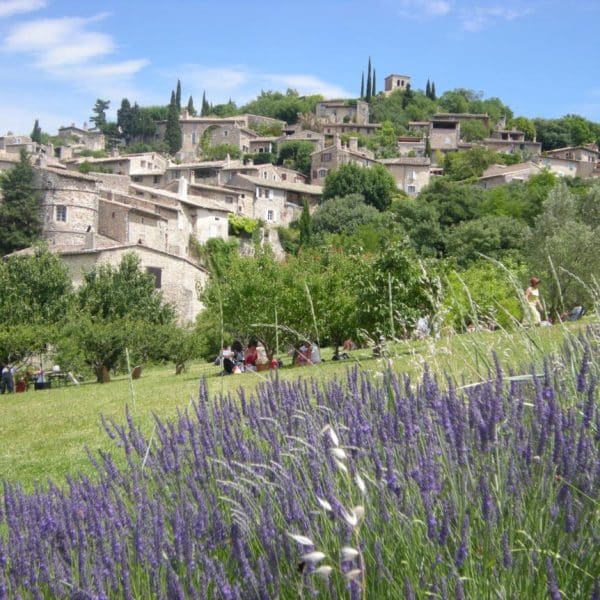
[532, 296]
[7, 380]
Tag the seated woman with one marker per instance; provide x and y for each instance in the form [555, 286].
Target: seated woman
[250, 356]
[303, 354]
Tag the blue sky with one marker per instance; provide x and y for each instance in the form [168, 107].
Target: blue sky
[541, 57]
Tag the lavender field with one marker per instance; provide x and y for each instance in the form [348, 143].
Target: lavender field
[371, 486]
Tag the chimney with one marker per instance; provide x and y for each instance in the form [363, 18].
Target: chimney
[182, 187]
[90, 239]
[353, 144]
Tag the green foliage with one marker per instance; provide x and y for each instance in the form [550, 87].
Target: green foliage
[137, 122]
[123, 292]
[571, 130]
[395, 291]
[454, 202]
[89, 167]
[421, 220]
[94, 153]
[375, 184]
[296, 155]
[473, 130]
[369, 90]
[261, 158]
[525, 125]
[221, 151]
[285, 107]
[20, 209]
[563, 252]
[459, 166]
[34, 289]
[178, 95]
[305, 225]
[99, 116]
[21, 341]
[484, 295]
[36, 134]
[173, 134]
[139, 147]
[385, 141]
[229, 109]
[462, 100]
[242, 226]
[190, 107]
[344, 215]
[494, 236]
[266, 129]
[399, 109]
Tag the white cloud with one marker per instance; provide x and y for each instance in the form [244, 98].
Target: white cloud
[14, 7]
[68, 49]
[478, 17]
[424, 9]
[243, 84]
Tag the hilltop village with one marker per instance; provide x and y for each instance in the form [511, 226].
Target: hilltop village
[100, 202]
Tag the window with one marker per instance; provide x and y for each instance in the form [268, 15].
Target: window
[229, 199]
[322, 173]
[270, 215]
[61, 213]
[225, 132]
[156, 179]
[326, 157]
[283, 177]
[136, 179]
[156, 272]
[411, 189]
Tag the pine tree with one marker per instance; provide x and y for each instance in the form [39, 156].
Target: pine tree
[433, 96]
[20, 210]
[173, 136]
[36, 134]
[362, 85]
[99, 110]
[178, 95]
[368, 95]
[428, 89]
[190, 107]
[374, 86]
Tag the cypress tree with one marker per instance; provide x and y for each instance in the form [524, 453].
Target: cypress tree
[362, 85]
[125, 119]
[374, 86]
[36, 134]
[407, 96]
[205, 110]
[427, 147]
[428, 89]
[305, 225]
[368, 95]
[20, 210]
[190, 107]
[433, 97]
[178, 95]
[173, 136]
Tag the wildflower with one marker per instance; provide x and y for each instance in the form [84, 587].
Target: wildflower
[349, 553]
[313, 557]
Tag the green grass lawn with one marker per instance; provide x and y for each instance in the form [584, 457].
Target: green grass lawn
[43, 434]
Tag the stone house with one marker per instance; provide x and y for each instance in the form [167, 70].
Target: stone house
[496, 175]
[410, 144]
[295, 133]
[82, 138]
[586, 156]
[194, 128]
[277, 203]
[394, 83]
[231, 134]
[565, 167]
[510, 141]
[339, 129]
[343, 111]
[331, 157]
[410, 173]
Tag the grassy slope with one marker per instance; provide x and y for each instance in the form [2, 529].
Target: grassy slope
[43, 434]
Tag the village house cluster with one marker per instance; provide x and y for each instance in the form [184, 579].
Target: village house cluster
[162, 208]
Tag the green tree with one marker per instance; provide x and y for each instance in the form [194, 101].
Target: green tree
[20, 209]
[305, 225]
[173, 134]
[178, 95]
[362, 85]
[428, 89]
[375, 184]
[421, 220]
[374, 84]
[563, 252]
[34, 289]
[296, 155]
[190, 107]
[395, 290]
[460, 166]
[369, 85]
[285, 107]
[123, 292]
[525, 125]
[385, 141]
[221, 151]
[473, 130]
[344, 215]
[36, 134]
[453, 202]
[205, 106]
[99, 116]
[125, 120]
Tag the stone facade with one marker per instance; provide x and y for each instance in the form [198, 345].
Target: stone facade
[410, 173]
[510, 141]
[83, 138]
[343, 111]
[323, 161]
[496, 175]
[333, 129]
[587, 153]
[394, 83]
[180, 279]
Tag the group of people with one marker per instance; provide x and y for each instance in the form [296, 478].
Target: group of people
[237, 359]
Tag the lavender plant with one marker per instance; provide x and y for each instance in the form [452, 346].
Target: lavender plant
[489, 490]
